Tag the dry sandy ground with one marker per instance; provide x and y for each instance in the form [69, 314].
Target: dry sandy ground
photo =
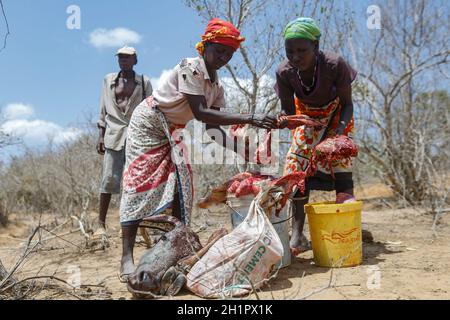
[407, 260]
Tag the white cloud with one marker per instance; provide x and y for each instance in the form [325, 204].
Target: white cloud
[17, 111]
[39, 131]
[104, 38]
[34, 131]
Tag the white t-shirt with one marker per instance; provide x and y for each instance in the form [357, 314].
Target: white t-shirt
[190, 76]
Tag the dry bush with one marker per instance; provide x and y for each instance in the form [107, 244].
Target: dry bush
[402, 108]
[62, 179]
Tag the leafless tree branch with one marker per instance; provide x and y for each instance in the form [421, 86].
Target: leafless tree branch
[7, 26]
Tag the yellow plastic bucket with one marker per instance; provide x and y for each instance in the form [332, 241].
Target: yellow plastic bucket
[335, 231]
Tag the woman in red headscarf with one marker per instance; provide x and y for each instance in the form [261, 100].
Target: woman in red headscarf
[157, 174]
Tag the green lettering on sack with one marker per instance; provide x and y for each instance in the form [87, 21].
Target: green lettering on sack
[255, 259]
[252, 263]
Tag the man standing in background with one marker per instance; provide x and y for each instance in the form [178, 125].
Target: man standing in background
[120, 95]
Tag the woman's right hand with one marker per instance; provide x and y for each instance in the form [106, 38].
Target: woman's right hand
[264, 121]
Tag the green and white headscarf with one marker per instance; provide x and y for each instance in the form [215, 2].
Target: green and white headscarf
[302, 28]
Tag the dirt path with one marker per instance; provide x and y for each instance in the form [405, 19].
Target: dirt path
[405, 261]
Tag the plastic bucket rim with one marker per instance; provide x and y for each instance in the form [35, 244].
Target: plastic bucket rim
[325, 207]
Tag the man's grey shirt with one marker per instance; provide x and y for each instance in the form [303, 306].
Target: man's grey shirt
[111, 117]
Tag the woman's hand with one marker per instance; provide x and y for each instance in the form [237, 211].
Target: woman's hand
[282, 120]
[264, 121]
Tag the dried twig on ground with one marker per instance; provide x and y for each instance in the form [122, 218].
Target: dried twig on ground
[329, 285]
[13, 288]
[82, 229]
[4, 274]
[25, 254]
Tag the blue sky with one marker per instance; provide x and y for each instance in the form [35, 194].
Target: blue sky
[59, 72]
[52, 76]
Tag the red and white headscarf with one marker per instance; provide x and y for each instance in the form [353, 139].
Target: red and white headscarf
[222, 32]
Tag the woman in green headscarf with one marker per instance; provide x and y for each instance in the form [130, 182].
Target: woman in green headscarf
[316, 84]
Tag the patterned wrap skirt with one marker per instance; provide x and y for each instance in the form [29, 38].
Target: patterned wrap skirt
[156, 167]
[305, 138]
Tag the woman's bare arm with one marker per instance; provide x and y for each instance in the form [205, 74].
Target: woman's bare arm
[345, 98]
[203, 113]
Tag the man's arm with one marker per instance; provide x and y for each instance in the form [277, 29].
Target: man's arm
[101, 124]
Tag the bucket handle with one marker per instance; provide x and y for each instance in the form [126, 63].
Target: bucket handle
[228, 205]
